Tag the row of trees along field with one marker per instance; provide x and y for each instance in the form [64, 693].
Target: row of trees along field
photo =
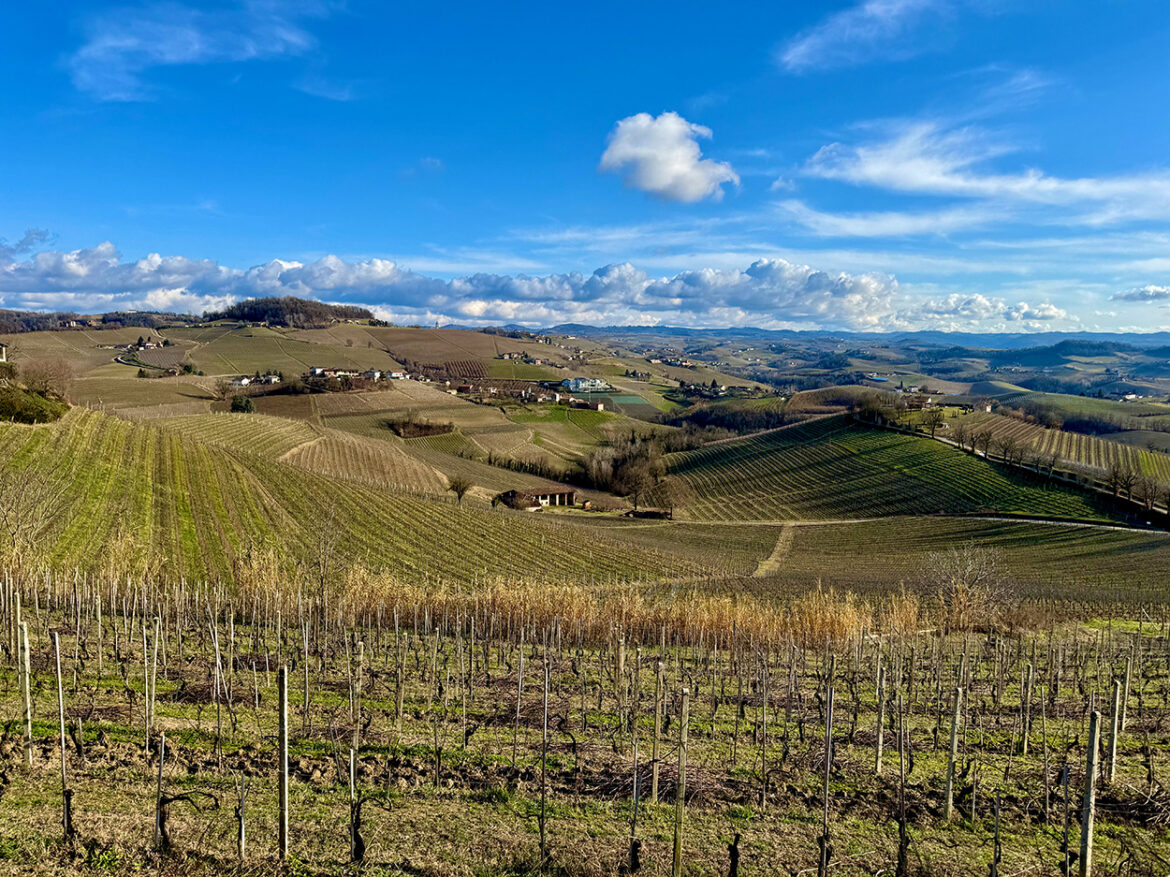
[527, 727]
[1120, 476]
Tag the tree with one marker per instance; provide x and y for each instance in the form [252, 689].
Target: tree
[242, 405]
[1148, 490]
[223, 388]
[1128, 479]
[49, 377]
[932, 419]
[971, 588]
[982, 440]
[459, 485]
[1113, 477]
[961, 434]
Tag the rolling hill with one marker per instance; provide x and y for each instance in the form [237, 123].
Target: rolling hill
[188, 507]
[833, 468]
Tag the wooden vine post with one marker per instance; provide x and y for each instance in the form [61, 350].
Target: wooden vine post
[1090, 809]
[881, 719]
[1111, 771]
[66, 792]
[953, 754]
[158, 810]
[282, 760]
[680, 794]
[826, 847]
[26, 694]
[657, 734]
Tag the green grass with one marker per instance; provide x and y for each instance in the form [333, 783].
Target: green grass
[831, 468]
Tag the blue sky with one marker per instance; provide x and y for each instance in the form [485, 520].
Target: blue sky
[874, 165]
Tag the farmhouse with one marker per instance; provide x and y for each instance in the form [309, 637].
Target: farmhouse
[535, 499]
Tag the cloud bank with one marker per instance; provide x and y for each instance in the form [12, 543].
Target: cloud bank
[661, 156]
[768, 293]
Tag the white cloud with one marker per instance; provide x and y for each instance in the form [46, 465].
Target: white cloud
[886, 223]
[923, 157]
[871, 30]
[768, 293]
[1145, 293]
[123, 44]
[661, 156]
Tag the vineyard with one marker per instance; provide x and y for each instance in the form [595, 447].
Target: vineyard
[1038, 560]
[521, 729]
[154, 498]
[831, 468]
[1075, 448]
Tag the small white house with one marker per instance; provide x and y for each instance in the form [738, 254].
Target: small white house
[242, 382]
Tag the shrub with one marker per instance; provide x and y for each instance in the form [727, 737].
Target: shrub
[242, 405]
[23, 406]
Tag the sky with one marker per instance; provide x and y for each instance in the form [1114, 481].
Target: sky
[882, 165]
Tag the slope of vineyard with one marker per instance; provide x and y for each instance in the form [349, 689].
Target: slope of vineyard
[1055, 561]
[1072, 447]
[831, 468]
[188, 507]
[270, 437]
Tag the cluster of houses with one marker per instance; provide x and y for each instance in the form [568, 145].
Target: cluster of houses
[255, 380]
[528, 394]
[585, 385]
[371, 374]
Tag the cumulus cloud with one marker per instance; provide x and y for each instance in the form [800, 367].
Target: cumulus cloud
[1144, 293]
[871, 30]
[122, 45]
[661, 155]
[957, 310]
[768, 293]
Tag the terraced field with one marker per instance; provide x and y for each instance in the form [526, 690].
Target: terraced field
[383, 464]
[269, 437]
[831, 468]
[1075, 448]
[189, 507]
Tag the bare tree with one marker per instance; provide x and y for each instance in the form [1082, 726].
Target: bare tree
[961, 434]
[1128, 479]
[932, 419]
[1147, 490]
[971, 587]
[49, 377]
[459, 485]
[1113, 477]
[982, 439]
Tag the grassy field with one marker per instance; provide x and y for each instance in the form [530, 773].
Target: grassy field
[830, 468]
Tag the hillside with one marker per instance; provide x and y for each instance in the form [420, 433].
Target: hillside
[298, 313]
[177, 506]
[833, 468]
